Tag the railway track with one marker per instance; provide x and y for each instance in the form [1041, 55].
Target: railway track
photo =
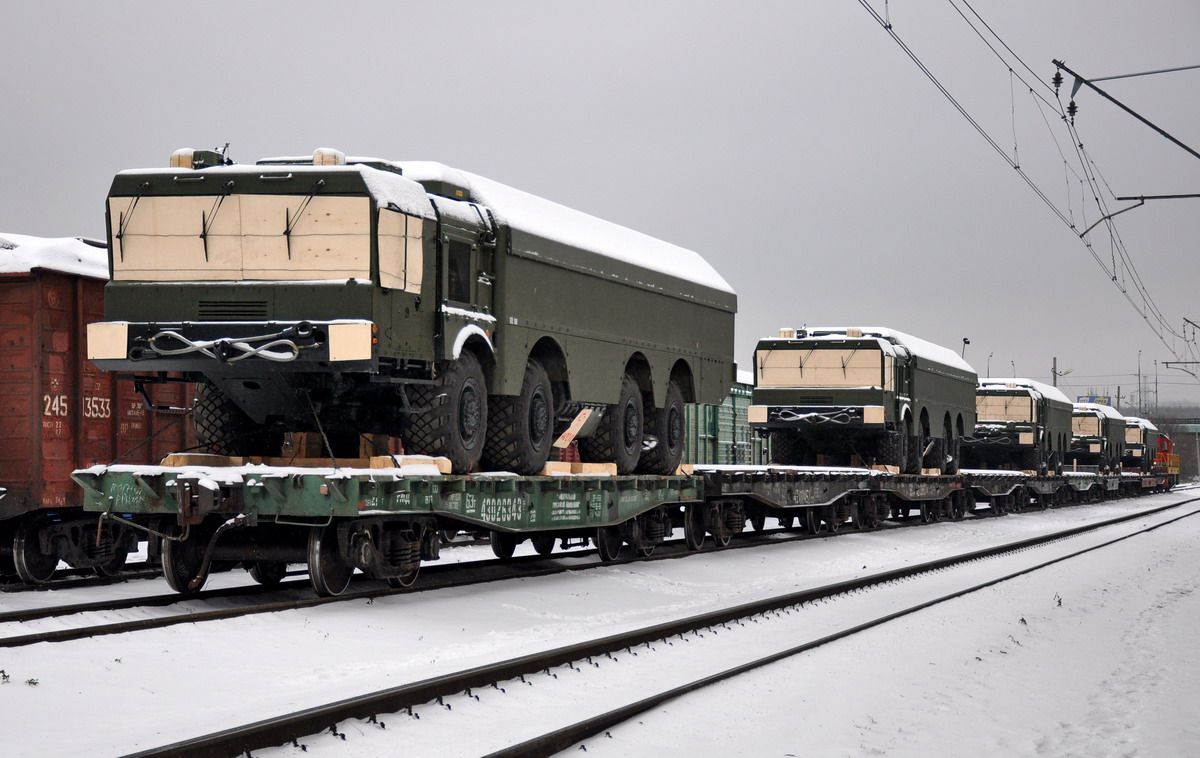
[70, 578]
[262, 599]
[669, 643]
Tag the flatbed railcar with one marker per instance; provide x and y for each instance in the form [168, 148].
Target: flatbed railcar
[385, 520]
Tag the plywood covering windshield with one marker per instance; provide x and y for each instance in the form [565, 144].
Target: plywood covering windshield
[820, 367]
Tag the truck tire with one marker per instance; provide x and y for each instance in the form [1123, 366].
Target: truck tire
[223, 429]
[912, 458]
[455, 423]
[893, 450]
[1027, 459]
[521, 428]
[618, 439]
[936, 459]
[666, 425]
[788, 448]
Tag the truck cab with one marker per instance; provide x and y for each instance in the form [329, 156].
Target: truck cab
[1021, 424]
[1141, 445]
[864, 396]
[1097, 437]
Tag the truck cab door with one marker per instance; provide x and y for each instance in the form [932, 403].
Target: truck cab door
[465, 279]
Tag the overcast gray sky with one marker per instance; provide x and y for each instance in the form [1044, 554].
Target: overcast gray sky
[791, 143]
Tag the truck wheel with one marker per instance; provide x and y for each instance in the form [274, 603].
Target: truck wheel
[224, 429]
[666, 426]
[1027, 459]
[916, 444]
[619, 436]
[455, 423]
[893, 450]
[788, 448]
[521, 428]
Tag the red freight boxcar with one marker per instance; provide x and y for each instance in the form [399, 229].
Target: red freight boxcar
[58, 412]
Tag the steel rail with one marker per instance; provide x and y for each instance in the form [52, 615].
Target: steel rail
[290, 727]
[561, 739]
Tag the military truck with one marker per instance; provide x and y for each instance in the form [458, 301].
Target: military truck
[343, 296]
[1141, 445]
[1097, 436]
[869, 395]
[1020, 424]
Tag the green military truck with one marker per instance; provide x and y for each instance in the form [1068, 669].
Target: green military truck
[1141, 445]
[354, 295]
[1020, 424]
[1097, 437]
[869, 395]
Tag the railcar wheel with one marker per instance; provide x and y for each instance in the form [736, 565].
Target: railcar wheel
[722, 537]
[666, 425]
[456, 423]
[182, 561]
[608, 542]
[758, 521]
[328, 573]
[618, 439]
[113, 565]
[521, 428]
[812, 521]
[268, 573]
[504, 545]
[832, 518]
[405, 580]
[693, 526]
[543, 544]
[32, 565]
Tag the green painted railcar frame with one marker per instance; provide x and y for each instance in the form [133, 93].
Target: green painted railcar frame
[506, 504]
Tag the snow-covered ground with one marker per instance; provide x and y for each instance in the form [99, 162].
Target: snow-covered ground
[141, 690]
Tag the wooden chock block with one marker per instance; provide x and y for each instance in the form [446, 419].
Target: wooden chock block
[594, 469]
[886, 469]
[556, 467]
[201, 459]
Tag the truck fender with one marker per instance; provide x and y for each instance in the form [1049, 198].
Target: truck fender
[465, 333]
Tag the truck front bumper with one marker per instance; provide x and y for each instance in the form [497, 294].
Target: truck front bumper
[227, 345]
[805, 416]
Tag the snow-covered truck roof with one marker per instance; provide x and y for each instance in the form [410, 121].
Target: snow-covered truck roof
[546, 219]
[1098, 408]
[999, 384]
[887, 338]
[1146, 424]
[22, 253]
